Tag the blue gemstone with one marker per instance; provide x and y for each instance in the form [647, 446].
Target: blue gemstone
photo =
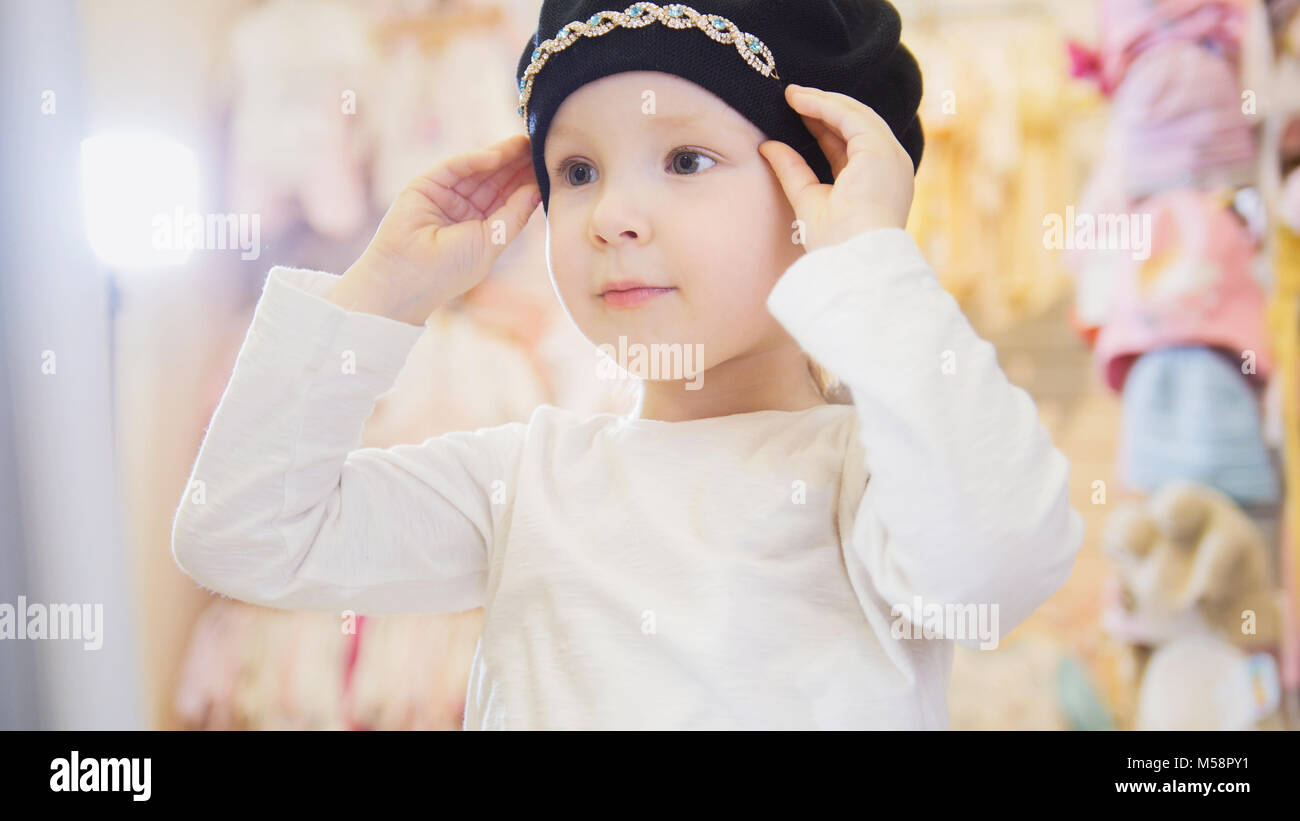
[720, 25]
[523, 83]
[754, 46]
[635, 11]
[562, 33]
[537, 53]
[674, 12]
[595, 20]
[520, 111]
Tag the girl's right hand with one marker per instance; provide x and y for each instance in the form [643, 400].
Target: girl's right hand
[437, 239]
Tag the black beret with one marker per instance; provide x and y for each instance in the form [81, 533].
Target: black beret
[757, 48]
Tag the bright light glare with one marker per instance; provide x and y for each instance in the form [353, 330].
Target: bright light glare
[129, 181]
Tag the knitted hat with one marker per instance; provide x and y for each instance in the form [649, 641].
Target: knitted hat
[1176, 117]
[1189, 414]
[1197, 287]
[1128, 28]
[742, 51]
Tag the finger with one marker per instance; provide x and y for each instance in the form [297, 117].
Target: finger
[475, 178]
[471, 166]
[457, 169]
[494, 194]
[831, 144]
[511, 154]
[486, 194]
[514, 213]
[484, 164]
[791, 170]
[505, 150]
[848, 118]
[513, 150]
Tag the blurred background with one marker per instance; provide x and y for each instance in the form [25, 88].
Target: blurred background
[1109, 189]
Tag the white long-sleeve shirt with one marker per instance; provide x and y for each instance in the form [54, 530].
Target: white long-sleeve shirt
[731, 572]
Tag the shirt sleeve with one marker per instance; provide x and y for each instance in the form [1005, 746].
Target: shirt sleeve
[966, 500]
[284, 509]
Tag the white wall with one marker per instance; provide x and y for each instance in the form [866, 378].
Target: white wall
[61, 480]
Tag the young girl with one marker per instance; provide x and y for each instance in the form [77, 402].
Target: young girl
[738, 552]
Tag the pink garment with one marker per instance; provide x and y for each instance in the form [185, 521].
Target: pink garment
[1128, 28]
[1176, 123]
[1177, 116]
[1196, 288]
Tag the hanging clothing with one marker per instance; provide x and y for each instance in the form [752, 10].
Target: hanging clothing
[1176, 119]
[1194, 285]
[999, 155]
[1128, 28]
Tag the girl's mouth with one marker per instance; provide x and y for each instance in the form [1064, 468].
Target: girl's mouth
[632, 297]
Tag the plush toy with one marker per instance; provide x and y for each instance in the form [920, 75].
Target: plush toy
[1189, 563]
[1198, 682]
[1190, 554]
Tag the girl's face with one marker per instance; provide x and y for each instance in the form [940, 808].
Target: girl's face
[656, 181]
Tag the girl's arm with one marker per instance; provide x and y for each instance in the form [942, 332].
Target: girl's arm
[967, 502]
[283, 509]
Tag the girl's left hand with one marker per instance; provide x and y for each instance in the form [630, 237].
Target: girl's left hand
[874, 176]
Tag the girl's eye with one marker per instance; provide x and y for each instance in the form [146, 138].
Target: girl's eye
[563, 172]
[685, 163]
[689, 167]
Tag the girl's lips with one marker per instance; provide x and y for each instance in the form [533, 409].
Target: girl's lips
[632, 297]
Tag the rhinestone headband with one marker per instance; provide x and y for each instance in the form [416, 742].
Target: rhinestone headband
[675, 15]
